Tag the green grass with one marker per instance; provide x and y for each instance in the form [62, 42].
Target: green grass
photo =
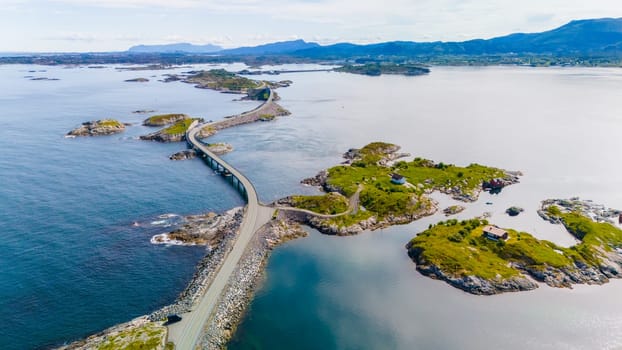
[146, 337]
[595, 236]
[162, 119]
[222, 79]
[383, 198]
[459, 248]
[110, 123]
[375, 69]
[351, 219]
[180, 127]
[331, 203]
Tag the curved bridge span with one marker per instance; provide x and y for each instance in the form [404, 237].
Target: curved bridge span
[186, 333]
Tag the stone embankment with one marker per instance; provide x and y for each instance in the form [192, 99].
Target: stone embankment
[97, 128]
[206, 269]
[266, 112]
[246, 279]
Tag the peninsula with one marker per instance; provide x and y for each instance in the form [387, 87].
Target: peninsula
[483, 259]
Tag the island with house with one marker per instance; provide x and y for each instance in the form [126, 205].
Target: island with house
[376, 188]
[481, 258]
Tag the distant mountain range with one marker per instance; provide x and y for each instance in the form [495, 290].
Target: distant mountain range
[273, 48]
[582, 37]
[175, 48]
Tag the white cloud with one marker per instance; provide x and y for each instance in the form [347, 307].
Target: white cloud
[250, 22]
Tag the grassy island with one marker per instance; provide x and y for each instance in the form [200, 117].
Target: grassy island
[330, 204]
[110, 123]
[164, 119]
[180, 127]
[375, 69]
[98, 127]
[391, 191]
[459, 252]
[222, 80]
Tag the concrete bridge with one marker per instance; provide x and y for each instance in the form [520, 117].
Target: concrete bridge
[186, 333]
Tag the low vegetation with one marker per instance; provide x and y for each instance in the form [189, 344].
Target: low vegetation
[331, 203]
[421, 174]
[179, 127]
[370, 171]
[459, 248]
[376, 68]
[220, 79]
[110, 123]
[164, 119]
[147, 337]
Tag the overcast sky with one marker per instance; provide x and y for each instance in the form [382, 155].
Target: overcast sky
[115, 25]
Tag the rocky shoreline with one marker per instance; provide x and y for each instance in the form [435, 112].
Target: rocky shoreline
[240, 288]
[592, 263]
[473, 284]
[97, 128]
[245, 281]
[611, 267]
[266, 112]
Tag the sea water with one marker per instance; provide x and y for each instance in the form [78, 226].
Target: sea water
[560, 126]
[73, 262]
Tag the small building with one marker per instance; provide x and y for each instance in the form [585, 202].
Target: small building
[398, 179]
[495, 233]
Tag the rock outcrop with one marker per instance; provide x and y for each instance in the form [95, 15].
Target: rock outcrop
[98, 127]
[164, 119]
[183, 155]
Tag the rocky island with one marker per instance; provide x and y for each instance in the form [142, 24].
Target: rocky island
[173, 133]
[376, 69]
[483, 259]
[164, 119]
[98, 127]
[374, 189]
[229, 82]
[137, 80]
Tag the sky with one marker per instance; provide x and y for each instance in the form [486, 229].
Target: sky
[116, 25]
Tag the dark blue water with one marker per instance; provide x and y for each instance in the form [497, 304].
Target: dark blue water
[71, 263]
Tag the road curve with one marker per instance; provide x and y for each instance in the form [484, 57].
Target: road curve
[186, 333]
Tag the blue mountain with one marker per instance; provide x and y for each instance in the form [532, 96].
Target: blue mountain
[581, 37]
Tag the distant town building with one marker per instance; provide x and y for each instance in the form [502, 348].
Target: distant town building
[398, 179]
[495, 233]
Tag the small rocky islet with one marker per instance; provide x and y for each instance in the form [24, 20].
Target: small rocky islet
[97, 128]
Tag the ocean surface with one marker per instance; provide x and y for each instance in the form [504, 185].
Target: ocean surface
[73, 261]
